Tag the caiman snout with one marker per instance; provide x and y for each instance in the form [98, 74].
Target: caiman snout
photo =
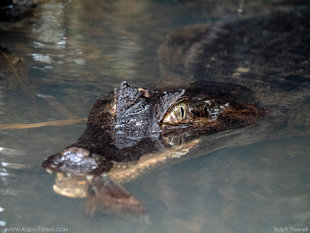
[77, 161]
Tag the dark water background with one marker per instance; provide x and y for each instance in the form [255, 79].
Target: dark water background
[67, 54]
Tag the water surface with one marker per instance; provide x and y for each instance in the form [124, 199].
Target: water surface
[67, 54]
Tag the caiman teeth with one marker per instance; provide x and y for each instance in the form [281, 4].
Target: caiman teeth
[121, 165]
[89, 177]
[180, 153]
[60, 175]
[48, 170]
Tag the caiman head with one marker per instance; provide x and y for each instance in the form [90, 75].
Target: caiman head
[136, 121]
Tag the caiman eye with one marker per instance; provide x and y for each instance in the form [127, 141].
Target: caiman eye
[179, 114]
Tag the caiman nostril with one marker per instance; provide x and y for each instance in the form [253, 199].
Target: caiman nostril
[79, 152]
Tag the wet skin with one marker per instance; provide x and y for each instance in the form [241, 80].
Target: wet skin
[133, 122]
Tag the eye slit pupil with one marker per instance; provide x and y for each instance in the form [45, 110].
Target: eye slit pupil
[182, 112]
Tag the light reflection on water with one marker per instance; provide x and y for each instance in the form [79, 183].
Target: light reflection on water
[77, 52]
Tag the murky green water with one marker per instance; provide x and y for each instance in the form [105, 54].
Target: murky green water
[71, 53]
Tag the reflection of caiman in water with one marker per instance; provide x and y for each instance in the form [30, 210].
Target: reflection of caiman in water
[137, 129]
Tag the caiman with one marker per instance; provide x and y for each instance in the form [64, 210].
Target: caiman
[135, 129]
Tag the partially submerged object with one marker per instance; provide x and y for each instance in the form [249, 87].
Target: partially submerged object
[136, 129]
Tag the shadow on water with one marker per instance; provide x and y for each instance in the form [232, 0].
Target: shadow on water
[58, 60]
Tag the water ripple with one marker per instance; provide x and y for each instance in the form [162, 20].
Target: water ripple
[8, 151]
[15, 166]
[42, 58]
[2, 223]
[4, 174]
[1, 103]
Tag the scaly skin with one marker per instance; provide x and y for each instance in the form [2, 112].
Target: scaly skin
[136, 130]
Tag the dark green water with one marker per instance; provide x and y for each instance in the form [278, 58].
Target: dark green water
[74, 52]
